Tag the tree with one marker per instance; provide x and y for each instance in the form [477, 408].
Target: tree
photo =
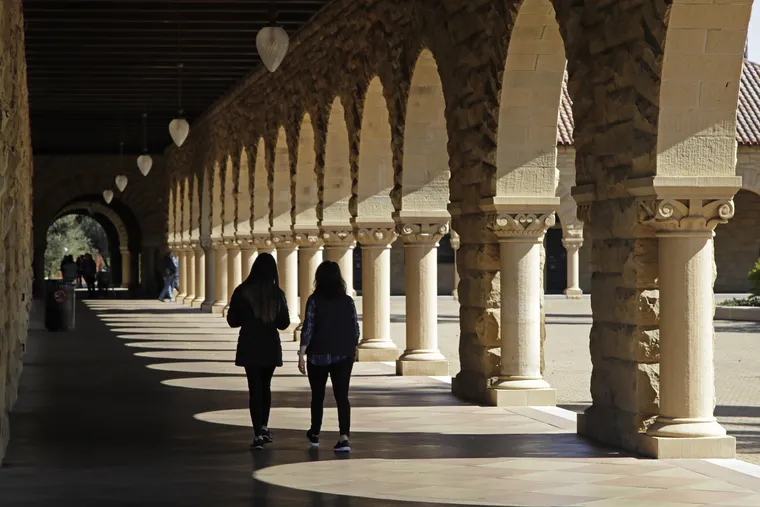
[95, 233]
[65, 237]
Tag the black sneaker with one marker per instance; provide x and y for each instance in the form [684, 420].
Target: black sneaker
[342, 446]
[312, 438]
[258, 444]
[267, 436]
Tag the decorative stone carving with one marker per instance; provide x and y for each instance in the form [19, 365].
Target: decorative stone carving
[685, 215]
[510, 224]
[205, 243]
[422, 232]
[263, 242]
[308, 239]
[283, 240]
[376, 235]
[572, 245]
[343, 236]
[455, 241]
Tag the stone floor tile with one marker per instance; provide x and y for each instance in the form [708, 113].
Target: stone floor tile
[538, 465]
[570, 477]
[686, 495]
[599, 491]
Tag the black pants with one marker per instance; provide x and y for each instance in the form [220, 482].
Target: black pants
[259, 395]
[340, 374]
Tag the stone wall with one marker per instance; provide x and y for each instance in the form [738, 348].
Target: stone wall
[80, 179]
[15, 208]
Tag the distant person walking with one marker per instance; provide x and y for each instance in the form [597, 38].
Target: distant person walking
[258, 307]
[88, 273]
[168, 273]
[69, 269]
[329, 337]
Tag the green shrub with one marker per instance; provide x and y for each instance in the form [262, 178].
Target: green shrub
[754, 279]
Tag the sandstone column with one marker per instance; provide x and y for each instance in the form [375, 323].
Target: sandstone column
[182, 259]
[221, 276]
[376, 344]
[455, 243]
[422, 356]
[573, 245]
[686, 275]
[521, 236]
[309, 259]
[190, 283]
[248, 253]
[287, 265]
[339, 248]
[126, 268]
[200, 276]
[234, 269]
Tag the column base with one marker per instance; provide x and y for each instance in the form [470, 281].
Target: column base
[225, 310]
[207, 306]
[522, 392]
[376, 352]
[188, 300]
[218, 307]
[197, 303]
[574, 293]
[667, 427]
[427, 363]
[723, 447]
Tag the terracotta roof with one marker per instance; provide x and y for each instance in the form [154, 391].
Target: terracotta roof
[747, 115]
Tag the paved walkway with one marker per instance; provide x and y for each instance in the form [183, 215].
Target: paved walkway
[568, 363]
[141, 406]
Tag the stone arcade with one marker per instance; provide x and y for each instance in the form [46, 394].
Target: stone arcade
[407, 120]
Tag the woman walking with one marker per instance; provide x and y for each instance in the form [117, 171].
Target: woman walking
[329, 337]
[259, 308]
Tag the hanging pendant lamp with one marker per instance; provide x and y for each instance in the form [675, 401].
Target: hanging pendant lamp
[178, 127]
[108, 196]
[144, 162]
[272, 43]
[121, 182]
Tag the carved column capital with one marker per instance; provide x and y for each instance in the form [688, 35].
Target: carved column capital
[283, 240]
[338, 236]
[205, 243]
[422, 232]
[263, 241]
[572, 245]
[685, 216]
[308, 239]
[456, 242]
[517, 225]
[376, 236]
[217, 243]
[246, 242]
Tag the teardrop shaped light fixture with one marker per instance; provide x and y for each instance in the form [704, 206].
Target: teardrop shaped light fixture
[108, 196]
[272, 44]
[144, 162]
[179, 130]
[121, 182]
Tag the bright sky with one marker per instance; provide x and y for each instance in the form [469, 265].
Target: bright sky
[753, 38]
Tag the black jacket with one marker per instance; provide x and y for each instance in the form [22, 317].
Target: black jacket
[335, 330]
[258, 343]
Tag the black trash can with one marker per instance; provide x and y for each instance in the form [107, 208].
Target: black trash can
[59, 305]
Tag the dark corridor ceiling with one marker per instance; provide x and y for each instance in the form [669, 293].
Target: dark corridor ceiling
[95, 65]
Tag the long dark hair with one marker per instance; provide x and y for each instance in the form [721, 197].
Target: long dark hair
[328, 282]
[262, 288]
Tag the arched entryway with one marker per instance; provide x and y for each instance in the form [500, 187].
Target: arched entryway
[121, 254]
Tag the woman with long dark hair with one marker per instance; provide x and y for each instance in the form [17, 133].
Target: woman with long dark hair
[259, 308]
[329, 337]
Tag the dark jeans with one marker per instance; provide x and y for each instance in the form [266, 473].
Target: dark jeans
[259, 395]
[340, 374]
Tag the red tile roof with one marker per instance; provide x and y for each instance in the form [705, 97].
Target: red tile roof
[747, 115]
